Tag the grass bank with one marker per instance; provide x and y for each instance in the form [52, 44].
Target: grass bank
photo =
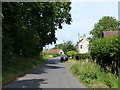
[20, 67]
[93, 76]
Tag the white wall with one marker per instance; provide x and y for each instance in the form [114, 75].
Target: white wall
[84, 48]
[61, 51]
[84, 43]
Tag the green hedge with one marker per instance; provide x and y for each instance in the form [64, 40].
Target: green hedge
[71, 53]
[106, 52]
[82, 56]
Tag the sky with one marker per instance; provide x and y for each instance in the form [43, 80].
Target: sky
[84, 16]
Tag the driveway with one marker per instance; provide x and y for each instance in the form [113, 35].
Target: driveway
[52, 74]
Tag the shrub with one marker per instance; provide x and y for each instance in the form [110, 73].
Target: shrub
[42, 53]
[91, 75]
[106, 52]
[71, 53]
[56, 55]
[83, 56]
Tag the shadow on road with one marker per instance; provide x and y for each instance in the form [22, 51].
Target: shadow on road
[53, 67]
[33, 83]
[33, 79]
[50, 64]
[53, 61]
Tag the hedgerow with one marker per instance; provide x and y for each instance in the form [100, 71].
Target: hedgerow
[83, 56]
[106, 52]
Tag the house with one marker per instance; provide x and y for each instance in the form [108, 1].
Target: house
[59, 51]
[107, 34]
[83, 44]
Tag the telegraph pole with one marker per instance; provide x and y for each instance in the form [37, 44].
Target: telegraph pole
[78, 35]
[119, 11]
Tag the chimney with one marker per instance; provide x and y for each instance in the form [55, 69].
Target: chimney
[84, 36]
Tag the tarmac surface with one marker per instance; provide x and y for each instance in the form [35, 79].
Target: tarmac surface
[53, 74]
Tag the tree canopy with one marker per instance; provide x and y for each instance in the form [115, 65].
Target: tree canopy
[66, 46]
[106, 23]
[29, 26]
[105, 51]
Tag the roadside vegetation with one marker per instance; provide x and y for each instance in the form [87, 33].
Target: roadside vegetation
[26, 29]
[90, 74]
[106, 53]
[23, 65]
[100, 68]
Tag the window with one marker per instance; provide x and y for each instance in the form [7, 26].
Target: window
[81, 46]
[60, 52]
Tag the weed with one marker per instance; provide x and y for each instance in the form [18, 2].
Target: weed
[23, 65]
[93, 76]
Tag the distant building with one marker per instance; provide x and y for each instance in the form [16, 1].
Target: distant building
[107, 34]
[82, 44]
[59, 51]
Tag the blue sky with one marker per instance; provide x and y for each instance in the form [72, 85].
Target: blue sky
[84, 16]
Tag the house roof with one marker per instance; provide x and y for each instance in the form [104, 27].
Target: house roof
[82, 40]
[53, 51]
[110, 33]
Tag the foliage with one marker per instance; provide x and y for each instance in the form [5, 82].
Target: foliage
[20, 67]
[81, 56]
[106, 52]
[92, 75]
[66, 46]
[56, 55]
[28, 27]
[71, 53]
[106, 23]
[58, 46]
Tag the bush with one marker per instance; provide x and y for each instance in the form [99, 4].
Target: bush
[83, 56]
[106, 52]
[56, 55]
[92, 75]
[71, 53]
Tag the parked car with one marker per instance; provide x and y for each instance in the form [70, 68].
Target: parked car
[64, 58]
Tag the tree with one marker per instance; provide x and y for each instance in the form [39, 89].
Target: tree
[28, 27]
[106, 23]
[58, 46]
[105, 50]
[66, 46]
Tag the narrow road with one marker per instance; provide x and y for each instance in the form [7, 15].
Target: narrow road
[53, 74]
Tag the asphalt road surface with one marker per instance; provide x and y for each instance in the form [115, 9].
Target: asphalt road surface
[53, 74]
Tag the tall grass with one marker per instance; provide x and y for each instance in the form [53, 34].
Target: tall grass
[93, 76]
[19, 67]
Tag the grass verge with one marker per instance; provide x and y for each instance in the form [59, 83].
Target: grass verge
[20, 67]
[93, 76]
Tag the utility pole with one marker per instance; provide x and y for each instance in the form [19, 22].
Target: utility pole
[78, 35]
[119, 11]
